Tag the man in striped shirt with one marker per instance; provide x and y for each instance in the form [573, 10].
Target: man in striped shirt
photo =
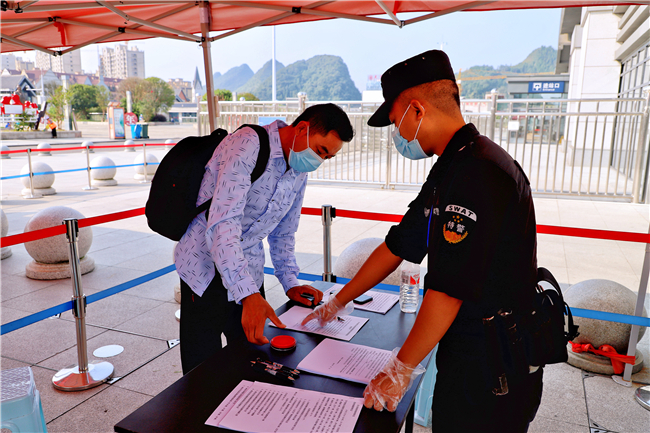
[221, 259]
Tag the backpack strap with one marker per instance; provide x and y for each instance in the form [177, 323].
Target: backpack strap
[544, 274]
[262, 161]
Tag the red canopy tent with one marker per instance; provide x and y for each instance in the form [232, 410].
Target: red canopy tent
[48, 25]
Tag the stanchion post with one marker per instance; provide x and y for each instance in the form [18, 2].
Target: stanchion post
[638, 311]
[144, 154]
[31, 177]
[327, 213]
[84, 375]
[90, 186]
[638, 166]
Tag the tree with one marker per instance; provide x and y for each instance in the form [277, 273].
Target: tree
[221, 94]
[158, 96]
[103, 98]
[56, 105]
[83, 99]
[247, 96]
[149, 96]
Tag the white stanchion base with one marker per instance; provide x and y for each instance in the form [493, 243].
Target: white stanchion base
[108, 351]
[70, 379]
[178, 315]
[6, 253]
[104, 182]
[38, 192]
[621, 381]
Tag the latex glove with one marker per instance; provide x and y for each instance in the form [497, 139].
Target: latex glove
[329, 311]
[388, 387]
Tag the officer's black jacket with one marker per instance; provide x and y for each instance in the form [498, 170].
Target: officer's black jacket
[474, 216]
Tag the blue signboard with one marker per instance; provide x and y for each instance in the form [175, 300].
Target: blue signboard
[546, 87]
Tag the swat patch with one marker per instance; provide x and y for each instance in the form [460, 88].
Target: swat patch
[458, 222]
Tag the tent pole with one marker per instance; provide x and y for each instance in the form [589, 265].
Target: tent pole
[204, 13]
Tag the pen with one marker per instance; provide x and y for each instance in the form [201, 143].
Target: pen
[340, 319]
[278, 366]
[278, 373]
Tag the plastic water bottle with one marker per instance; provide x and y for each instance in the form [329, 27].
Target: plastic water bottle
[409, 292]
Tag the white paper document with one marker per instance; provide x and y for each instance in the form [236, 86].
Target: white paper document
[344, 360]
[258, 407]
[343, 329]
[381, 301]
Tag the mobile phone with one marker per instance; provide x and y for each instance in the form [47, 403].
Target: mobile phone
[308, 296]
[363, 299]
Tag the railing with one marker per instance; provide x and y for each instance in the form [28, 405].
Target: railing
[592, 147]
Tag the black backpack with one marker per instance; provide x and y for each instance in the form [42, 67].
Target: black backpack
[550, 324]
[171, 206]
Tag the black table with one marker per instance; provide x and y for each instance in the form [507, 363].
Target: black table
[186, 405]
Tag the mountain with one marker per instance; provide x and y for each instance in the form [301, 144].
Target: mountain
[232, 79]
[541, 59]
[256, 81]
[323, 78]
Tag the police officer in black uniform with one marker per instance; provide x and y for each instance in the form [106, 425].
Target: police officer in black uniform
[474, 217]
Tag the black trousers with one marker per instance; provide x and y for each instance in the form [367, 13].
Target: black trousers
[204, 318]
[463, 403]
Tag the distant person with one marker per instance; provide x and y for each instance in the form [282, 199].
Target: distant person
[475, 219]
[49, 124]
[220, 259]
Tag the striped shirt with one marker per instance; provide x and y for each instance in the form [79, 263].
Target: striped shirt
[241, 216]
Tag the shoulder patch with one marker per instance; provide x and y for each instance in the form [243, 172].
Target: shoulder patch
[458, 223]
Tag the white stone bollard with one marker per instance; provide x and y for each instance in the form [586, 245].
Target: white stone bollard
[44, 149]
[128, 147]
[608, 296]
[103, 176]
[349, 262]
[42, 182]
[87, 143]
[139, 169]
[4, 229]
[4, 148]
[51, 255]
[169, 141]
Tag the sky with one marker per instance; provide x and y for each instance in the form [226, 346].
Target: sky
[469, 38]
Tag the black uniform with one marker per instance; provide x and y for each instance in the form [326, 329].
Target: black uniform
[474, 217]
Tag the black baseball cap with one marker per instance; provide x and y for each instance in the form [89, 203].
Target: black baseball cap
[429, 66]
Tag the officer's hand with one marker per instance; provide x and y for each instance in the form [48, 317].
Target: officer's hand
[255, 312]
[388, 387]
[329, 311]
[295, 294]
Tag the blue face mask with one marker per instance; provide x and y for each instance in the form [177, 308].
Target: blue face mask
[306, 160]
[408, 149]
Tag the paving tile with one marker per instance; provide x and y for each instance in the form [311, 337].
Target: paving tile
[161, 288]
[42, 340]
[16, 263]
[563, 397]
[159, 322]
[56, 402]
[39, 300]
[10, 314]
[549, 425]
[614, 407]
[137, 351]
[115, 310]
[156, 375]
[8, 363]
[105, 411]
[104, 277]
[14, 286]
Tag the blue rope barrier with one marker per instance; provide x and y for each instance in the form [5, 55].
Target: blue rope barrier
[66, 306]
[42, 173]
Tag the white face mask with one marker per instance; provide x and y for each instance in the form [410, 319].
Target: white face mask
[409, 149]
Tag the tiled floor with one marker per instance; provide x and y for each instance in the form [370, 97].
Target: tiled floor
[142, 320]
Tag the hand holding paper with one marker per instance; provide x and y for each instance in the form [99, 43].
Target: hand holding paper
[388, 387]
[329, 311]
